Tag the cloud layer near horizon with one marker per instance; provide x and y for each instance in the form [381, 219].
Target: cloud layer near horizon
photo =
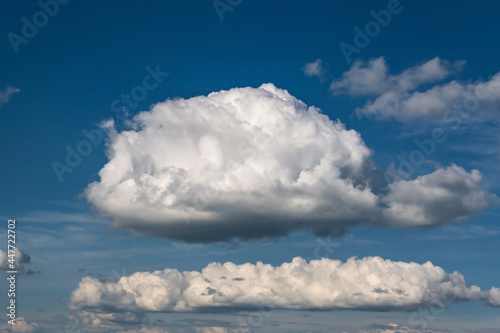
[257, 162]
[22, 326]
[370, 283]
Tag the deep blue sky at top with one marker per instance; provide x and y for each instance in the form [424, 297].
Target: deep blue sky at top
[91, 52]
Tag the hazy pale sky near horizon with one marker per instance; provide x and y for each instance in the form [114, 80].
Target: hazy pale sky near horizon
[241, 166]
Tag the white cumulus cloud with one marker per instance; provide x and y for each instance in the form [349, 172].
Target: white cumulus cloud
[373, 78]
[494, 297]
[370, 283]
[314, 68]
[252, 163]
[447, 194]
[398, 97]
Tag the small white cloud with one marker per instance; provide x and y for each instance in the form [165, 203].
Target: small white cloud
[398, 96]
[7, 94]
[363, 80]
[370, 283]
[313, 68]
[22, 326]
[494, 297]
[373, 78]
[20, 258]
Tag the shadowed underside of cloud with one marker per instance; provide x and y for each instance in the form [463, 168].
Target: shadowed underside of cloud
[360, 284]
[257, 162]
[398, 97]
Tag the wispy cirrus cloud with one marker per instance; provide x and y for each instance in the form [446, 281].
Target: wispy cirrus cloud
[6, 95]
[460, 232]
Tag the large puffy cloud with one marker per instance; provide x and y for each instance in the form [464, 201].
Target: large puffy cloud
[398, 97]
[363, 284]
[250, 163]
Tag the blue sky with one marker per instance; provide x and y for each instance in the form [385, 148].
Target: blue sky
[66, 78]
